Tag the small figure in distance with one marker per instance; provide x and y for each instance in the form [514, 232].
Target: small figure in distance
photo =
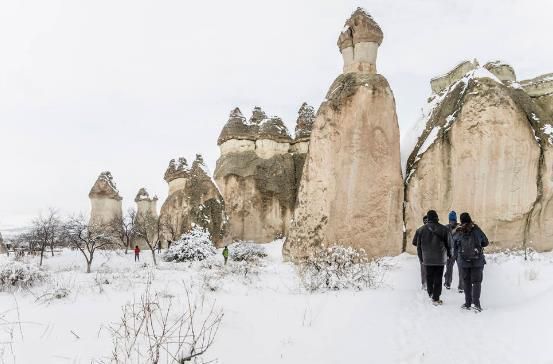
[225, 254]
[136, 254]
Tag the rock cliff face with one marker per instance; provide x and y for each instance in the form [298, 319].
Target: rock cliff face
[483, 148]
[105, 200]
[351, 191]
[193, 200]
[256, 175]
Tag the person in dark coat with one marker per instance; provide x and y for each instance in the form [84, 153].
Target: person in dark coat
[415, 243]
[433, 249]
[448, 277]
[471, 261]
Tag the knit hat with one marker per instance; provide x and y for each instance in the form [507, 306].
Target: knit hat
[432, 216]
[465, 218]
[452, 216]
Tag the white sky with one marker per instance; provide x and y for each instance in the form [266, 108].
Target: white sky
[125, 85]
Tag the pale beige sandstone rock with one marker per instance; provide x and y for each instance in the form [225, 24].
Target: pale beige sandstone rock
[351, 191]
[503, 71]
[481, 152]
[193, 200]
[440, 83]
[146, 213]
[256, 174]
[105, 201]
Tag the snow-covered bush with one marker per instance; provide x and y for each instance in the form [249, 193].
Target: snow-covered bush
[195, 245]
[16, 274]
[246, 251]
[338, 267]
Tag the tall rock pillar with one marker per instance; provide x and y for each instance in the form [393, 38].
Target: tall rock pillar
[105, 201]
[351, 191]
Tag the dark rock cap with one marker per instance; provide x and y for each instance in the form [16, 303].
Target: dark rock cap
[238, 128]
[360, 27]
[104, 187]
[176, 170]
[274, 129]
[304, 123]
[143, 195]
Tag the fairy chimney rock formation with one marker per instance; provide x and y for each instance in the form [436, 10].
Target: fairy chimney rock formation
[145, 205]
[483, 147]
[193, 200]
[540, 89]
[106, 203]
[351, 191]
[256, 173]
[359, 42]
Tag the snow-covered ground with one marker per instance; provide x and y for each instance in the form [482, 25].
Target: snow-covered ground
[269, 318]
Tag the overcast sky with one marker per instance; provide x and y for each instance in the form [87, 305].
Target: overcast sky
[126, 85]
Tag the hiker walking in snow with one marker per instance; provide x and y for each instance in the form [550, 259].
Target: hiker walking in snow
[448, 277]
[415, 242]
[468, 245]
[159, 246]
[433, 250]
[225, 254]
[136, 254]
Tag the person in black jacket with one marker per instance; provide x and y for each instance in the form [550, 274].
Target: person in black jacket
[415, 243]
[468, 245]
[433, 249]
[448, 277]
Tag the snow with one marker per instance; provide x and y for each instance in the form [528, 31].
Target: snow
[548, 129]
[270, 318]
[429, 140]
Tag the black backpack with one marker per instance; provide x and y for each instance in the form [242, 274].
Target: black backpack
[470, 248]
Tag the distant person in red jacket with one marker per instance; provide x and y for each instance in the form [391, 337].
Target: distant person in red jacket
[136, 253]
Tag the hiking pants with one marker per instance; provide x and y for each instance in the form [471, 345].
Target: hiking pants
[448, 277]
[434, 274]
[473, 284]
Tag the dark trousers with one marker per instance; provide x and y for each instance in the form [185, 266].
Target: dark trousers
[423, 275]
[434, 274]
[448, 277]
[472, 278]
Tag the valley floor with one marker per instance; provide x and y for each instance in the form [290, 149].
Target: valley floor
[269, 318]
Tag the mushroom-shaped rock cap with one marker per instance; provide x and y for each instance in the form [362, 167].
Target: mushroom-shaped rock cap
[104, 187]
[143, 195]
[238, 128]
[274, 129]
[176, 169]
[199, 168]
[304, 124]
[360, 27]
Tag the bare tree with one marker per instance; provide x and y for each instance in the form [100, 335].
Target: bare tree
[87, 238]
[123, 229]
[46, 231]
[148, 228]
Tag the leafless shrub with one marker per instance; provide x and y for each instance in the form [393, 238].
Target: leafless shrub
[156, 330]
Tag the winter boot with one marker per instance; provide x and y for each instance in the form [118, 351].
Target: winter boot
[437, 302]
[465, 307]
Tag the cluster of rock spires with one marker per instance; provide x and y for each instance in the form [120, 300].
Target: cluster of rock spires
[484, 145]
[259, 171]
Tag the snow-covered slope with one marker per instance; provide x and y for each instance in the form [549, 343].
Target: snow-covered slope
[269, 318]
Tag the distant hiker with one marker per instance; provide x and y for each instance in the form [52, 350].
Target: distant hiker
[136, 253]
[468, 245]
[225, 254]
[415, 243]
[448, 277]
[169, 244]
[159, 246]
[433, 250]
